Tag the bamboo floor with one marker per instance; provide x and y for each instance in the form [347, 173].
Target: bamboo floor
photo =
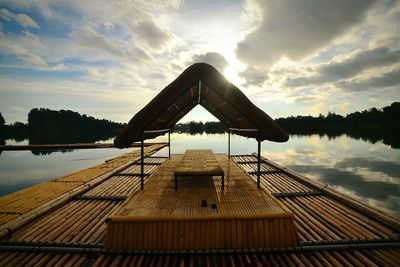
[18, 204]
[334, 230]
[200, 214]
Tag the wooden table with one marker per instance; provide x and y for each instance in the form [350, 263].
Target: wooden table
[198, 162]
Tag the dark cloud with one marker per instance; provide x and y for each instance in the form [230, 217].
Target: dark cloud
[388, 79]
[305, 98]
[213, 58]
[297, 28]
[255, 76]
[357, 63]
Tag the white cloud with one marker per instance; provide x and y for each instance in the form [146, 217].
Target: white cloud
[25, 47]
[135, 18]
[121, 49]
[26, 21]
[94, 99]
[215, 59]
[22, 19]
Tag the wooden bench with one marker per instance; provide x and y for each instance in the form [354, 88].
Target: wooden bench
[198, 162]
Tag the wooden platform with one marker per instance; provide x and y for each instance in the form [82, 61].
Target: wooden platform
[334, 230]
[29, 200]
[200, 215]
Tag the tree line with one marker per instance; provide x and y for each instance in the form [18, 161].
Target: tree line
[386, 119]
[65, 126]
[368, 120]
[371, 125]
[200, 127]
[47, 126]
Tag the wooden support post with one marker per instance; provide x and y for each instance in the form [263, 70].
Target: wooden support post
[142, 162]
[258, 163]
[229, 143]
[169, 144]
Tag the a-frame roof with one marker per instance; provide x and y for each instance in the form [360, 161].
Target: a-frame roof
[201, 84]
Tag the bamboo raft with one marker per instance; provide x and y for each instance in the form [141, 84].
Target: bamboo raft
[201, 214]
[68, 228]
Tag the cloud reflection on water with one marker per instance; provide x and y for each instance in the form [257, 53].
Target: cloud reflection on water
[369, 172]
[366, 171]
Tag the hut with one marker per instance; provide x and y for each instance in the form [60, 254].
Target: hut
[201, 84]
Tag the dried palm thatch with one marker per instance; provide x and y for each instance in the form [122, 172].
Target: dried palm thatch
[201, 84]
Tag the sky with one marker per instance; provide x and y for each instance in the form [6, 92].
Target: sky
[108, 59]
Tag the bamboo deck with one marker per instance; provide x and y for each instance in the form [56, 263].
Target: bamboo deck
[18, 204]
[238, 217]
[333, 229]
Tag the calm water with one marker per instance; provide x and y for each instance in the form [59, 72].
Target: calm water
[366, 171]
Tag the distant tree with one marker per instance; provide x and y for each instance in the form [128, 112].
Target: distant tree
[214, 127]
[196, 127]
[2, 131]
[2, 121]
[66, 126]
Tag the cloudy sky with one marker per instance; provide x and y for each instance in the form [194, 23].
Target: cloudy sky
[109, 58]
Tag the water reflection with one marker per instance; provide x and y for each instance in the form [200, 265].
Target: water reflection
[387, 167]
[357, 184]
[39, 152]
[369, 172]
[21, 169]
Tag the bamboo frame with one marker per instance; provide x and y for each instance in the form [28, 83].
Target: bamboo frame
[258, 148]
[142, 138]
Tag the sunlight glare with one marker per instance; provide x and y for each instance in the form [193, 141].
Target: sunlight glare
[232, 74]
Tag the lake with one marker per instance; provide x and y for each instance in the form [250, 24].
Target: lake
[367, 171]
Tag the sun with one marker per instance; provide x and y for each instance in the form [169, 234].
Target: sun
[232, 71]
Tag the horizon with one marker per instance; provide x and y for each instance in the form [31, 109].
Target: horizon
[192, 116]
[109, 59]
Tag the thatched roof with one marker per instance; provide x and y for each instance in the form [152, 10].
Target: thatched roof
[201, 84]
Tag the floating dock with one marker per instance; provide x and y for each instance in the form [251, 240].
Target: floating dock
[64, 222]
